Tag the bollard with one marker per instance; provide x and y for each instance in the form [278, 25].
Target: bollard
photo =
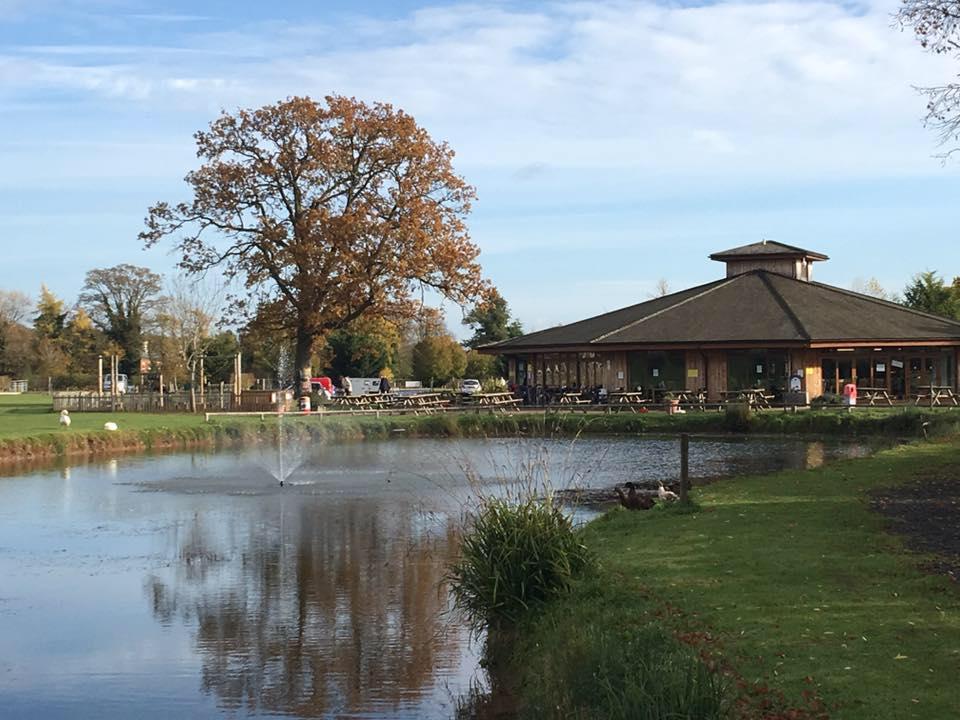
[684, 468]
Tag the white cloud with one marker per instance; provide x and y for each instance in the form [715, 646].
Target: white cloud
[776, 87]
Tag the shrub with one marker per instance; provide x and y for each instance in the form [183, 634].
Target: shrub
[738, 417]
[514, 557]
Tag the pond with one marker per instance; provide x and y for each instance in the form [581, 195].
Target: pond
[194, 586]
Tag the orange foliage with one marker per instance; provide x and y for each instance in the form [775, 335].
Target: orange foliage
[327, 211]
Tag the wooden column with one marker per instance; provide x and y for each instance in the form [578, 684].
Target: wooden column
[716, 374]
[696, 370]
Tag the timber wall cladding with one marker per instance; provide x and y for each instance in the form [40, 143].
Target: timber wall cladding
[615, 371]
[696, 370]
[716, 374]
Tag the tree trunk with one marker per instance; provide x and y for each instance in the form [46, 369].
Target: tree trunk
[302, 362]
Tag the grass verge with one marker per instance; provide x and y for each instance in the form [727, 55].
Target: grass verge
[29, 429]
[788, 583]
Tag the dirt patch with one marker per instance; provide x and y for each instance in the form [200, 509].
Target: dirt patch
[927, 514]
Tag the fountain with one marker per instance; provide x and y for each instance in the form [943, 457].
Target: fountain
[287, 463]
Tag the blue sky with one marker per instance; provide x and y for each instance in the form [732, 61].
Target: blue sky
[611, 143]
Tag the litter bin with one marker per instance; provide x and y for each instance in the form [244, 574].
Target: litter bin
[305, 403]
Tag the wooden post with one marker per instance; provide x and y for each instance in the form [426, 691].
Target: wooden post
[161, 390]
[203, 384]
[114, 368]
[100, 375]
[684, 468]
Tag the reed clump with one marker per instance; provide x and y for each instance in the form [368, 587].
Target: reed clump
[514, 557]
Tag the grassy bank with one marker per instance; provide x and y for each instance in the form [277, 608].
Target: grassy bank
[787, 581]
[29, 428]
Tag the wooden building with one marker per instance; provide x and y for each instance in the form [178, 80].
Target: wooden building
[763, 323]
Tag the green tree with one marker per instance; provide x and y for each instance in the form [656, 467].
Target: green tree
[490, 321]
[120, 301]
[365, 348]
[437, 359]
[929, 293]
[482, 367]
[221, 350]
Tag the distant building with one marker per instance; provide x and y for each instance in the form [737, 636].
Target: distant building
[765, 322]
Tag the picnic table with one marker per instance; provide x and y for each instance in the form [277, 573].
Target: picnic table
[500, 400]
[873, 395]
[625, 400]
[572, 398]
[696, 398]
[423, 402]
[935, 394]
[756, 398]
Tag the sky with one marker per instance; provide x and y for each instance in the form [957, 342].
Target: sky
[612, 144]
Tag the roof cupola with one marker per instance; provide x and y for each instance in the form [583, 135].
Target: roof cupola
[770, 256]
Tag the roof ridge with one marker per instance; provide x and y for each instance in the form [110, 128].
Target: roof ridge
[784, 305]
[885, 303]
[710, 287]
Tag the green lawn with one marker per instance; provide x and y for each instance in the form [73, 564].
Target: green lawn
[32, 414]
[796, 584]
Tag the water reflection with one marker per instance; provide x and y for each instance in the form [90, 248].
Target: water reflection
[318, 610]
[192, 585]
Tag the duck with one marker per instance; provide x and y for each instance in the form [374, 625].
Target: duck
[634, 500]
[65, 418]
[110, 426]
[666, 495]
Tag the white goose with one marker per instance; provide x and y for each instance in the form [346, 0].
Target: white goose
[110, 426]
[65, 418]
[666, 495]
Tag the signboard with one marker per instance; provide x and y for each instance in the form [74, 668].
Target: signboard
[759, 369]
[656, 372]
[693, 372]
[619, 374]
[881, 367]
[896, 364]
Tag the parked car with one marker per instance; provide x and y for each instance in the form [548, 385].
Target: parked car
[469, 387]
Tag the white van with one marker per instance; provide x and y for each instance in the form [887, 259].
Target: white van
[121, 383]
[365, 386]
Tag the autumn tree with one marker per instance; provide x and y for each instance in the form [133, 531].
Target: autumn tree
[928, 292]
[48, 326]
[120, 301]
[51, 316]
[81, 343]
[327, 211]
[936, 25]
[438, 359]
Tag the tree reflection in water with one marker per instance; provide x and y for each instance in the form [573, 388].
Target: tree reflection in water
[319, 610]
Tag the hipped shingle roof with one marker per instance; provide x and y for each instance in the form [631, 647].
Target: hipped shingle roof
[757, 307]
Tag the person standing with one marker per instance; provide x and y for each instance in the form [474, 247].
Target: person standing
[384, 385]
[347, 386]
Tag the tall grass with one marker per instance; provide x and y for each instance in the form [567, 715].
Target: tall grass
[619, 673]
[514, 557]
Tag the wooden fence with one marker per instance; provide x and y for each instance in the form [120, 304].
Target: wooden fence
[152, 402]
